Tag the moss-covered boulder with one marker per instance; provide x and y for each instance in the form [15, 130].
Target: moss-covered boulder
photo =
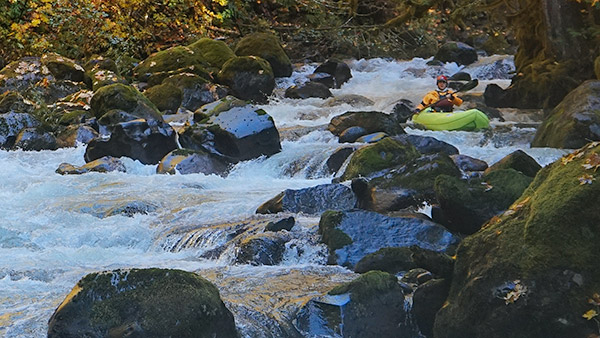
[249, 77]
[124, 98]
[196, 91]
[63, 68]
[215, 52]
[351, 235]
[143, 303]
[518, 160]
[372, 305]
[398, 259]
[168, 60]
[166, 97]
[266, 46]
[535, 263]
[459, 52]
[370, 121]
[75, 134]
[574, 122]
[467, 205]
[11, 101]
[186, 161]
[101, 165]
[384, 154]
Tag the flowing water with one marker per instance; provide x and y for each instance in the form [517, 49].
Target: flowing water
[55, 229]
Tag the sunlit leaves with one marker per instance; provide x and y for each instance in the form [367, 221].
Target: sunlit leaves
[586, 179]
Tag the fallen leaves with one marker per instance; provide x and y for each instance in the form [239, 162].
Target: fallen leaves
[590, 314]
[592, 162]
[586, 179]
[516, 293]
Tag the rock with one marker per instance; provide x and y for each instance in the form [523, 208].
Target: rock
[125, 98]
[372, 122]
[282, 224]
[386, 153]
[142, 303]
[63, 68]
[349, 99]
[574, 122]
[267, 47]
[313, 200]
[186, 161]
[249, 77]
[168, 60]
[460, 76]
[398, 259]
[459, 52]
[352, 134]
[467, 206]
[12, 101]
[262, 249]
[239, 133]
[337, 159]
[196, 91]
[309, 89]
[102, 72]
[428, 298]
[156, 79]
[35, 139]
[495, 96]
[215, 52]
[372, 138]
[428, 144]
[370, 306]
[493, 67]
[519, 161]
[166, 97]
[351, 235]
[10, 126]
[468, 163]
[101, 165]
[339, 71]
[147, 141]
[402, 111]
[75, 134]
[538, 260]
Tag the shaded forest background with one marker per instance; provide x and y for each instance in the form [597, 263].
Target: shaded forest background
[555, 42]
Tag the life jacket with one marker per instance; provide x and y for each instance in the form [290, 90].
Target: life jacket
[444, 104]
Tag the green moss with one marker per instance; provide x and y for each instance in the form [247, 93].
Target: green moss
[167, 60]
[165, 97]
[334, 238]
[249, 64]
[368, 286]
[123, 97]
[197, 69]
[216, 53]
[420, 174]
[510, 181]
[266, 46]
[72, 117]
[384, 154]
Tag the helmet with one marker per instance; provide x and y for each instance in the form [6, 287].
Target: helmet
[443, 78]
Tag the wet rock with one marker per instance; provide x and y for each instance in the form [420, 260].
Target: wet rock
[35, 139]
[398, 259]
[468, 163]
[168, 60]
[338, 73]
[370, 306]
[403, 111]
[12, 101]
[75, 134]
[186, 161]
[351, 235]
[265, 46]
[147, 141]
[538, 260]
[352, 134]
[195, 90]
[262, 249]
[309, 89]
[459, 52]
[519, 161]
[372, 138]
[574, 122]
[313, 200]
[101, 165]
[142, 303]
[337, 159]
[428, 298]
[249, 77]
[166, 97]
[372, 122]
[282, 224]
[349, 99]
[124, 98]
[428, 144]
[108, 208]
[10, 126]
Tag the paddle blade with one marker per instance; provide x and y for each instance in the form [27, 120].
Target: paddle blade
[468, 85]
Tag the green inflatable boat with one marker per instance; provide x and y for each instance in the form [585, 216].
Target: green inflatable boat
[468, 120]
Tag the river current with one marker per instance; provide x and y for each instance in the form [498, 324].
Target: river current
[55, 229]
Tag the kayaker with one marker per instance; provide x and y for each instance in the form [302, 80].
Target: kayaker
[442, 99]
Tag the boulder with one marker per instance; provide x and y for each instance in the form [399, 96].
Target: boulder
[574, 122]
[468, 163]
[459, 52]
[74, 134]
[10, 126]
[214, 52]
[267, 47]
[398, 259]
[428, 144]
[157, 78]
[336, 160]
[519, 161]
[142, 303]
[11, 101]
[147, 141]
[428, 298]
[104, 208]
[309, 89]
[125, 98]
[265, 248]
[313, 200]
[351, 235]
[101, 71]
[63, 68]
[372, 138]
[372, 122]
[372, 305]
[353, 100]
[249, 77]
[166, 97]
[196, 91]
[101, 165]
[35, 139]
[467, 205]
[352, 134]
[186, 161]
[535, 263]
[403, 111]
[282, 224]
[333, 73]
[168, 60]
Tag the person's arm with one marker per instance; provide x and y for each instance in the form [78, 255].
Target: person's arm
[457, 101]
[430, 98]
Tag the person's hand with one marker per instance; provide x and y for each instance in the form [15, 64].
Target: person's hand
[416, 111]
[451, 97]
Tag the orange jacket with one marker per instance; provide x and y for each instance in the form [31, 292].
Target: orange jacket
[437, 99]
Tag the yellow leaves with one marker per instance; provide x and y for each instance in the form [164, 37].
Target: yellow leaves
[572, 156]
[590, 314]
[516, 293]
[586, 179]
[595, 300]
[592, 162]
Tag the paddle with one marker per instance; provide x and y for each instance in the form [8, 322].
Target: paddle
[466, 86]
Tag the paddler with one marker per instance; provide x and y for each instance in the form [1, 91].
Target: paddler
[442, 99]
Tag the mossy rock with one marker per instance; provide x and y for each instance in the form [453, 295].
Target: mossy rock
[167, 60]
[518, 160]
[334, 238]
[199, 70]
[538, 260]
[597, 67]
[166, 97]
[125, 98]
[13, 101]
[215, 52]
[249, 77]
[266, 46]
[394, 260]
[224, 104]
[63, 68]
[142, 303]
[384, 154]
[73, 117]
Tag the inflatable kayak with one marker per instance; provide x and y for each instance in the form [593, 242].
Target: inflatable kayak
[468, 120]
